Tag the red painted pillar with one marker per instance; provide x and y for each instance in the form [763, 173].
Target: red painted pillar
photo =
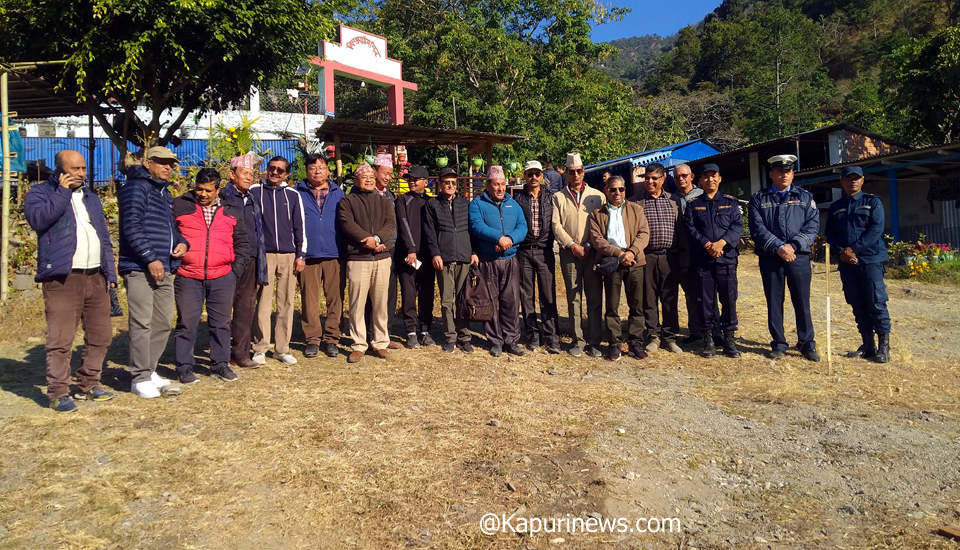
[396, 104]
[326, 79]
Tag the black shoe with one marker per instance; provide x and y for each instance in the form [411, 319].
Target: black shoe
[730, 344]
[465, 347]
[718, 339]
[311, 350]
[883, 348]
[635, 350]
[186, 375]
[811, 355]
[776, 354]
[514, 349]
[496, 351]
[426, 340]
[613, 352]
[592, 351]
[449, 348]
[412, 341]
[709, 348]
[692, 339]
[331, 350]
[534, 344]
[226, 374]
[553, 349]
[868, 350]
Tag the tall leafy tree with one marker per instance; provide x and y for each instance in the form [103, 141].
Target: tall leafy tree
[927, 84]
[195, 54]
[514, 66]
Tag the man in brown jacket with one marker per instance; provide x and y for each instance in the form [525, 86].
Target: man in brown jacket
[571, 206]
[619, 229]
[367, 220]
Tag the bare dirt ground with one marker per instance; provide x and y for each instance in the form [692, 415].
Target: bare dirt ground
[412, 452]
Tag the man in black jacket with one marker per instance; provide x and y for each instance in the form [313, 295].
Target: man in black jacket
[537, 261]
[416, 279]
[446, 234]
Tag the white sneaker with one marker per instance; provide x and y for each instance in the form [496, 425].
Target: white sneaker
[285, 358]
[146, 390]
[260, 358]
[158, 381]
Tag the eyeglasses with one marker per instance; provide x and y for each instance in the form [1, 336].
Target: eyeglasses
[276, 169]
[534, 174]
[575, 171]
[616, 189]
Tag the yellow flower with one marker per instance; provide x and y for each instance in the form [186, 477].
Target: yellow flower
[229, 140]
[234, 136]
[232, 129]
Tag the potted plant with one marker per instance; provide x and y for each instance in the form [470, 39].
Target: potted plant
[477, 161]
[442, 161]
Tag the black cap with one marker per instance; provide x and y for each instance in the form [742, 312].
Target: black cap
[850, 170]
[448, 171]
[710, 168]
[416, 173]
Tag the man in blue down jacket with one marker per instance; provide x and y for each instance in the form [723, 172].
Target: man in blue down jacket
[784, 222]
[75, 265]
[323, 271]
[498, 226]
[150, 252]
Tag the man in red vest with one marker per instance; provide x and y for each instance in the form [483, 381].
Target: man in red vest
[218, 254]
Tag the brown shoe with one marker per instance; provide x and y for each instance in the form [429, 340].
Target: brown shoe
[246, 363]
[355, 357]
[393, 345]
[382, 353]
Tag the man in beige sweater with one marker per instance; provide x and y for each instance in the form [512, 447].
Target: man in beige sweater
[571, 208]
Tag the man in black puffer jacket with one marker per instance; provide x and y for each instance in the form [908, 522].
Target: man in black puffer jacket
[537, 261]
[446, 221]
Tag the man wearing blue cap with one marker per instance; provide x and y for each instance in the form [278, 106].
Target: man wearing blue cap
[855, 229]
[714, 225]
[784, 222]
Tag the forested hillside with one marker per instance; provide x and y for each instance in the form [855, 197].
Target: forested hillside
[757, 69]
[636, 57]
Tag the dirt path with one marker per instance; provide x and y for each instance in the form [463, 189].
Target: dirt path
[414, 451]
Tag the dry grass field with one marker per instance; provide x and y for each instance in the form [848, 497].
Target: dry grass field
[411, 452]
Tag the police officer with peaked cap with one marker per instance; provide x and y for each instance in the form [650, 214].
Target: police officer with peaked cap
[714, 225]
[855, 229]
[784, 222]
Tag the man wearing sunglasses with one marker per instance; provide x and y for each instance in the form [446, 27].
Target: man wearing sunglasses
[283, 236]
[571, 207]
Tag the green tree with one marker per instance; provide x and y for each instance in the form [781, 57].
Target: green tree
[195, 54]
[513, 66]
[927, 84]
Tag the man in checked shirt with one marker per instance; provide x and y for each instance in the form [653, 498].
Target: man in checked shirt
[661, 273]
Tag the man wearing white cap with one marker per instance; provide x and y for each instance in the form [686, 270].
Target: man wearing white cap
[150, 252]
[537, 262]
[784, 222]
[497, 225]
[571, 209]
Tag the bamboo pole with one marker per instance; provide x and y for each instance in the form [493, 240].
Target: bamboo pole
[829, 340]
[7, 155]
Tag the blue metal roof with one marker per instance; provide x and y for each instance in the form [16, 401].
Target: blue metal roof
[671, 155]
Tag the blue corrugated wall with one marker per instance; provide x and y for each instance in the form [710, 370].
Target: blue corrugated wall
[105, 158]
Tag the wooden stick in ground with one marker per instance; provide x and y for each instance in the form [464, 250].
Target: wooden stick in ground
[829, 341]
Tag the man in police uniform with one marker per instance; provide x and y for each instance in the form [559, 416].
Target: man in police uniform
[855, 229]
[784, 222]
[713, 225]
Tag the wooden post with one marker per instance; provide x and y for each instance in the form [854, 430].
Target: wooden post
[5, 216]
[336, 156]
[829, 340]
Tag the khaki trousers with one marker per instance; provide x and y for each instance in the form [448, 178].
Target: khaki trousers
[280, 277]
[369, 278]
[326, 276]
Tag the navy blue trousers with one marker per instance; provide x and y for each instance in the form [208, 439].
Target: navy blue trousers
[190, 296]
[865, 291]
[712, 281]
[797, 274]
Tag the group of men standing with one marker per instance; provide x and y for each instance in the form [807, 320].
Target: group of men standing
[238, 249]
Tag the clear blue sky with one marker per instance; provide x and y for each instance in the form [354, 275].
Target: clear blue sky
[663, 17]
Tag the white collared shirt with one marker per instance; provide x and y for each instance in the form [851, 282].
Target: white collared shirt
[87, 254]
[615, 232]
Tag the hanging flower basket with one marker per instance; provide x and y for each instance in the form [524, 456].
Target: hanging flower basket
[442, 162]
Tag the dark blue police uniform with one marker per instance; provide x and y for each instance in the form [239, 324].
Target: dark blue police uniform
[776, 219]
[709, 220]
[857, 222]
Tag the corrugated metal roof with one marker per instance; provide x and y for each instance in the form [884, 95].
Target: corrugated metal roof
[660, 155]
[191, 152]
